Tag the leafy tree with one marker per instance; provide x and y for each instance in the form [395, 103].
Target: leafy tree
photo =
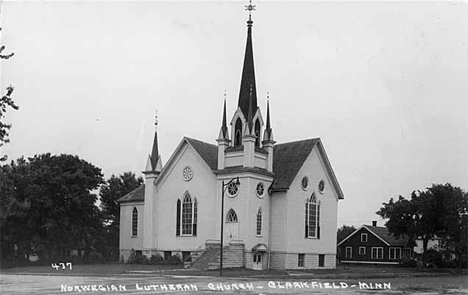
[440, 211]
[5, 102]
[47, 206]
[344, 231]
[112, 190]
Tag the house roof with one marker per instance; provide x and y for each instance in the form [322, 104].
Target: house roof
[137, 195]
[288, 159]
[382, 233]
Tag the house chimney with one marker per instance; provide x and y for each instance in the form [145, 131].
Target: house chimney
[374, 223]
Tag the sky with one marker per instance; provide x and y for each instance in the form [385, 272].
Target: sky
[383, 84]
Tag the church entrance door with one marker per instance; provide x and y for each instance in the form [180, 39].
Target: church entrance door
[231, 227]
[257, 261]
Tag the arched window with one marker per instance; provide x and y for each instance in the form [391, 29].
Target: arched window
[178, 218]
[187, 216]
[238, 132]
[134, 222]
[312, 218]
[259, 222]
[231, 216]
[257, 133]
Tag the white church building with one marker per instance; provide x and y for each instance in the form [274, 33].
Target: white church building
[280, 199]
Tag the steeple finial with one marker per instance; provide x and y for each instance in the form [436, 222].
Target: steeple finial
[248, 88]
[250, 8]
[156, 121]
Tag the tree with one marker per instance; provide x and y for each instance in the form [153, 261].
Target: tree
[47, 206]
[5, 102]
[344, 231]
[440, 211]
[113, 189]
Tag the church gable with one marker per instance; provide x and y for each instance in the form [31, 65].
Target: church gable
[290, 157]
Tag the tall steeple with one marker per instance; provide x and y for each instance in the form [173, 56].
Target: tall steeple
[248, 72]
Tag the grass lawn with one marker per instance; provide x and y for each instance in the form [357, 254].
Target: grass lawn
[112, 269]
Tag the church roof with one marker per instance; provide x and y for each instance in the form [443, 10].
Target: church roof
[137, 195]
[208, 152]
[288, 159]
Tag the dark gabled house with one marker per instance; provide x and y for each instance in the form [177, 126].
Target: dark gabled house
[374, 244]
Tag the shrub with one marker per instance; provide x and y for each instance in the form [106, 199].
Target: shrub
[95, 257]
[173, 260]
[156, 259]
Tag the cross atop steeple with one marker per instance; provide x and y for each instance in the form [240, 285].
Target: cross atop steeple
[250, 8]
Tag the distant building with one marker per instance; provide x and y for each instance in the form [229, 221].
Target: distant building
[375, 245]
[281, 214]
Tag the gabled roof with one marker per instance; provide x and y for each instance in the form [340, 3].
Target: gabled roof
[288, 159]
[208, 152]
[381, 232]
[137, 195]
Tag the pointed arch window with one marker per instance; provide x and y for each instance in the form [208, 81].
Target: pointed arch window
[259, 222]
[187, 215]
[231, 217]
[135, 222]
[257, 133]
[312, 217]
[238, 132]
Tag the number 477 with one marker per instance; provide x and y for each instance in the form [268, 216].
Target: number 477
[63, 265]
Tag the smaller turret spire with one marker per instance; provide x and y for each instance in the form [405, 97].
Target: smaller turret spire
[268, 134]
[224, 129]
[154, 157]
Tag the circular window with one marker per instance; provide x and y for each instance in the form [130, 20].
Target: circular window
[187, 173]
[305, 183]
[232, 189]
[321, 186]
[260, 189]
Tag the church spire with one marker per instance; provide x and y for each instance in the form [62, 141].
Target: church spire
[223, 133]
[154, 157]
[268, 134]
[248, 72]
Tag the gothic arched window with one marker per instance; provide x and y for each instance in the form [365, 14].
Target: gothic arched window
[259, 222]
[312, 217]
[257, 133]
[231, 216]
[135, 222]
[238, 132]
[187, 216]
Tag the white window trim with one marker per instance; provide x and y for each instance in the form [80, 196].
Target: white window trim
[364, 252]
[377, 252]
[193, 200]
[317, 203]
[395, 256]
[350, 252]
[364, 235]
[303, 260]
